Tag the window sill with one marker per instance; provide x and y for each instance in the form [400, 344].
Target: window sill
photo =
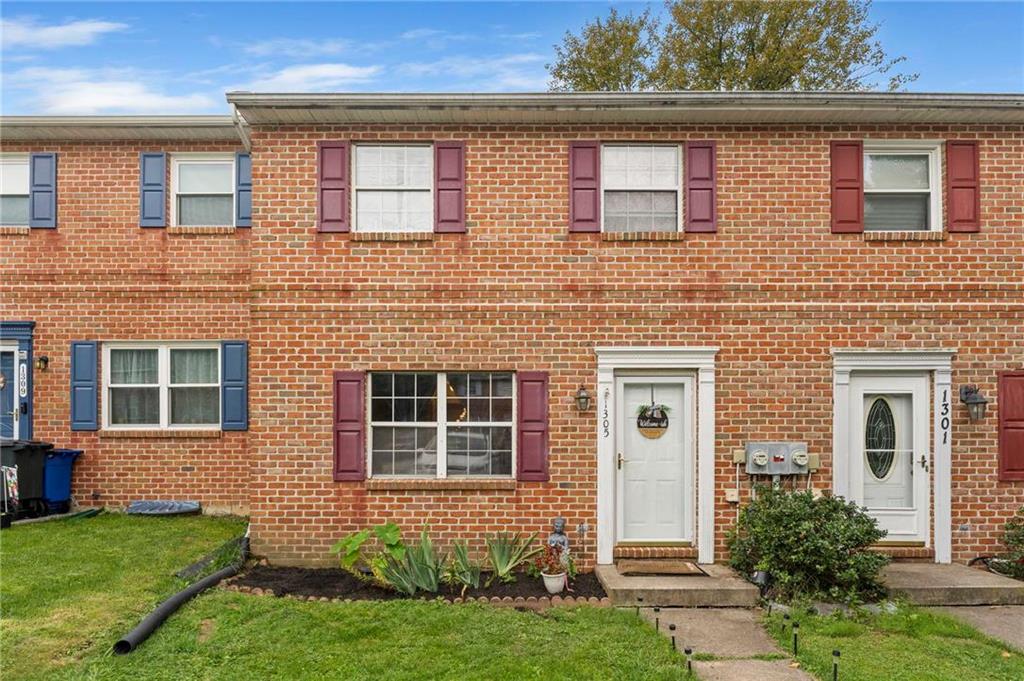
[392, 236]
[161, 434]
[410, 485]
[905, 236]
[215, 229]
[9, 230]
[643, 236]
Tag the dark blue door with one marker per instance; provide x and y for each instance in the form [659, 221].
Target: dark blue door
[8, 381]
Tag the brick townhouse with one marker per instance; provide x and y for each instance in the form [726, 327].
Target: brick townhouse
[483, 311]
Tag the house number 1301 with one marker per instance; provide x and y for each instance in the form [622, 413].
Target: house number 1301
[944, 421]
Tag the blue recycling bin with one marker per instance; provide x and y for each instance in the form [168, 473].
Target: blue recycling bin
[57, 479]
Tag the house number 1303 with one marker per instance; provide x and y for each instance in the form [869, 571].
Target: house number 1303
[944, 421]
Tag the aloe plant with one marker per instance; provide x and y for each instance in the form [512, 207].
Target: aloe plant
[506, 552]
[419, 569]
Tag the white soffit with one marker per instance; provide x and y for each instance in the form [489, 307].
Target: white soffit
[89, 128]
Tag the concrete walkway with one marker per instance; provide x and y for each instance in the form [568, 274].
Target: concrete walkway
[931, 584]
[1002, 622]
[734, 636]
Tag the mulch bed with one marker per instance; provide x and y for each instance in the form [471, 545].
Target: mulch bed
[336, 584]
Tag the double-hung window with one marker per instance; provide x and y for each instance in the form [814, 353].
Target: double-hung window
[394, 188]
[901, 186]
[161, 385]
[14, 190]
[203, 187]
[642, 187]
[442, 424]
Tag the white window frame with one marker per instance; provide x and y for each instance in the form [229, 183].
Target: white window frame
[356, 187]
[163, 383]
[441, 424]
[679, 180]
[931, 148]
[15, 158]
[192, 158]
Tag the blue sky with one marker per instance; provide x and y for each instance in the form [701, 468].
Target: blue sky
[161, 57]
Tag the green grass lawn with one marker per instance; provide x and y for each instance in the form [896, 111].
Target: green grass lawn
[69, 589]
[908, 645]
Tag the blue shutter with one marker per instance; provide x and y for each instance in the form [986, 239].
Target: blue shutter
[152, 189]
[83, 385]
[234, 385]
[42, 189]
[243, 190]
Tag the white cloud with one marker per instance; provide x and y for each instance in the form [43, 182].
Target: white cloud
[297, 48]
[511, 72]
[73, 91]
[312, 78]
[28, 33]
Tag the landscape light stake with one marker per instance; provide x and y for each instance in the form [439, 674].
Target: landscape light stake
[785, 621]
[835, 665]
[672, 629]
[657, 618]
[689, 661]
[796, 629]
[639, 602]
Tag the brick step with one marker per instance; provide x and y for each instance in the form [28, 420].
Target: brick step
[648, 552]
[906, 554]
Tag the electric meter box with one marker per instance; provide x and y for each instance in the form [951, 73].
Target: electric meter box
[777, 458]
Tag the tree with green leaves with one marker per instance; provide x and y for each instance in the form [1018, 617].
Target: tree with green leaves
[730, 45]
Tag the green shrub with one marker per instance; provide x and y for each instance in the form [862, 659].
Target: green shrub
[419, 568]
[1013, 539]
[810, 548]
[461, 570]
[506, 552]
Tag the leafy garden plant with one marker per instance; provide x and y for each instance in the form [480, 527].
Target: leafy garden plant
[419, 569]
[551, 561]
[506, 552]
[352, 559]
[810, 547]
[462, 571]
[1013, 539]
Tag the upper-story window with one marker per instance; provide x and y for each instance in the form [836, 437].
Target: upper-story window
[393, 188]
[642, 188]
[901, 186]
[161, 385]
[203, 190]
[441, 424]
[14, 189]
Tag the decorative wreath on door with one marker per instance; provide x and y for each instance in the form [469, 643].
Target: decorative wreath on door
[652, 419]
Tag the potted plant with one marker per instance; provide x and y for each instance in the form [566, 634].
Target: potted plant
[553, 569]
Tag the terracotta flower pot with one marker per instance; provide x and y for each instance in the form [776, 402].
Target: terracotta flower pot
[555, 584]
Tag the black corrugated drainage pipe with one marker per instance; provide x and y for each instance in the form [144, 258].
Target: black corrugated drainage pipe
[136, 636]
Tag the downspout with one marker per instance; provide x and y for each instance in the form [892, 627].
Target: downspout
[243, 129]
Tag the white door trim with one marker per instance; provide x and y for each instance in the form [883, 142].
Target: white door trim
[940, 364]
[12, 347]
[699, 359]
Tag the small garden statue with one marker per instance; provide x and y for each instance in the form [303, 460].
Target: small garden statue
[558, 537]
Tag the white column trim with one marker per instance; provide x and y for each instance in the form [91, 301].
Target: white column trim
[940, 363]
[611, 359]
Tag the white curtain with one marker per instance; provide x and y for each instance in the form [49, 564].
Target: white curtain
[205, 210]
[133, 367]
[193, 366]
[194, 405]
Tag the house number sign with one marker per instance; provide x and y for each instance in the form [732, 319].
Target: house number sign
[944, 417]
[605, 423]
[22, 380]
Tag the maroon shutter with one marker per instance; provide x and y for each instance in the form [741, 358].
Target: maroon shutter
[584, 186]
[532, 435]
[332, 186]
[450, 186]
[847, 187]
[699, 187]
[963, 190]
[349, 426]
[1011, 425]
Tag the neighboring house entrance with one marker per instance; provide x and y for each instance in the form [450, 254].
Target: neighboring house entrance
[890, 458]
[654, 459]
[9, 410]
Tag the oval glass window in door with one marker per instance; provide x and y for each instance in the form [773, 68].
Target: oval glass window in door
[880, 438]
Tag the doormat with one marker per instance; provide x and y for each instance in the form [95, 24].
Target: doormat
[658, 566]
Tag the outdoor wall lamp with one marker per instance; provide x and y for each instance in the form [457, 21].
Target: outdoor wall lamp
[974, 400]
[582, 399]
[42, 362]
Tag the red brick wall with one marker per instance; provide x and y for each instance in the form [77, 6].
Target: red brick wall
[773, 289]
[99, 276]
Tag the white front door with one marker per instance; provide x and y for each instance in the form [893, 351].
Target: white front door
[9, 412]
[654, 459]
[889, 454]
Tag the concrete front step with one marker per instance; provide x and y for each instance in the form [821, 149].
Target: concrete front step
[933, 584]
[720, 588]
